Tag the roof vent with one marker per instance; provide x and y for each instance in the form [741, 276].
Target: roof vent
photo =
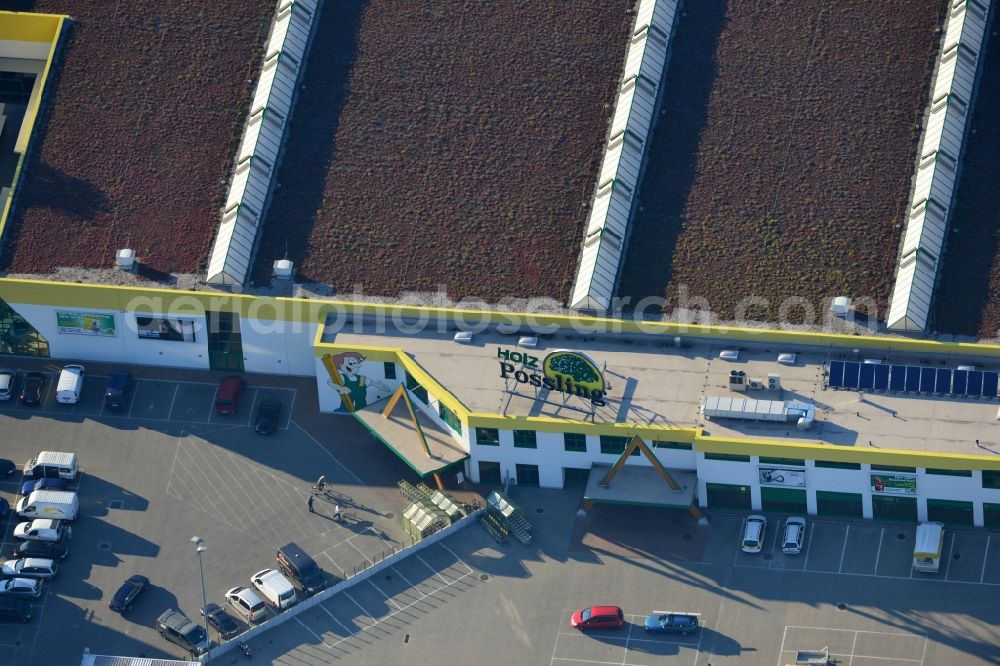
[840, 306]
[125, 259]
[283, 268]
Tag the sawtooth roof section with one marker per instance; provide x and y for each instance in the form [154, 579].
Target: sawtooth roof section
[270, 112]
[635, 108]
[937, 171]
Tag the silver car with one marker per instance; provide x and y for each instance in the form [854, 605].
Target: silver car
[795, 533]
[7, 377]
[31, 567]
[21, 587]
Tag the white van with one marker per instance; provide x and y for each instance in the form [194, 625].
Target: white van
[70, 385]
[54, 504]
[52, 464]
[928, 547]
[274, 587]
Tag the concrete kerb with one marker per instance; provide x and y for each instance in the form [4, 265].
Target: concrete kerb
[346, 584]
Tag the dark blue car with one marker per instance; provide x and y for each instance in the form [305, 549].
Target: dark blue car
[42, 484]
[128, 593]
[4, 508]
[666, 622]
[118, 389]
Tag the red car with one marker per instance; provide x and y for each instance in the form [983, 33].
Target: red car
[227, 398]
[598, 617]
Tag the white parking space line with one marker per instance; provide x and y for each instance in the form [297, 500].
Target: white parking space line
[854, 645]
[366, 612]
[408, 581]
[986, 557]
[253, 403]
[172, 400]
[809, 543]
[334, 618]
[332, 457]
[381, 620]
[626, 639]
[436, 572]
[318, 637]
[947, 563]
[627, 636]
[457, 558]
[843, 551]
[135, 392]
[774, 546]
[781, 650]
[360, 551]
[291, 407]
[380, 591]
[878, 553]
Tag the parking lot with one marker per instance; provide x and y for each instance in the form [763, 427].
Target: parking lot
[167, 468]
[516, 601]
[154, 400]
[855, 548]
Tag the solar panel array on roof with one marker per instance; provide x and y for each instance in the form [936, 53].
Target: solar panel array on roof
[855, 376]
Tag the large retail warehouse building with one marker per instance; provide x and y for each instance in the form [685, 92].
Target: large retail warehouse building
[873, 427]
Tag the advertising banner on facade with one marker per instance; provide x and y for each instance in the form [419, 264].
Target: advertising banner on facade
[85, 323]
[889, 483]
[775, 476]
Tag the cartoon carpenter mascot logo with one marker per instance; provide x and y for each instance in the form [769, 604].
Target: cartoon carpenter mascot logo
[355, 385]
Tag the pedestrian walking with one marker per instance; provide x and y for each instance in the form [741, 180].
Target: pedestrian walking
[336, 512]
[309, 502]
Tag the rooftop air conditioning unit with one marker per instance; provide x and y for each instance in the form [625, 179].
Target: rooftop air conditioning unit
[840, 306]
[787, 358]
[773, 381]
[125, 259]
[283, 268]
[729, 354]
[463, 337]
[528, 342]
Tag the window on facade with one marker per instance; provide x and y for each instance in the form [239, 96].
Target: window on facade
[795, 462]
[525, 439]
[893, 468]
[487, 437]
[575, 441]
[948, 472]
[726, 456]
[837, 465]
[450, 418]
[682, 446]
[390, 370]
[613, 445]
[418, 391]
[991, 478]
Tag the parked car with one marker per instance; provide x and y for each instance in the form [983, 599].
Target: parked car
[222, 621]
[668, 622]
[42, 484]
[275, 588]
[129, 591]
[4, 508]
[118, 390]
[598, 617]
[268, 415]
[247, 603]
[43, 529]
[7, 467]
[7, 379]
[795, 533]
[227, 398]
[69, 388]
[33, 388]
[52, 550]
[31, 567]
[300, 568]
[21, 587]
[13, 609]
[177, 628]
[754, 528]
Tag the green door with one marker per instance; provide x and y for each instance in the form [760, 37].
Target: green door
[888, 507]
[489, 473]
[225, 342]
[725, 495]
[788, 500]
[527, 475]
[839, 504]
[952, 512]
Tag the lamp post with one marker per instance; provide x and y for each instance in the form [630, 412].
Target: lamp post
[200, 547]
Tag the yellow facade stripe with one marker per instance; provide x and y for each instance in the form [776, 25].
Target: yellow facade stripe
[780, 448]
[29, 27]
[172, 301]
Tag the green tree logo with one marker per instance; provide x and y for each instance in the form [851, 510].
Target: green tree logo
[576, 366]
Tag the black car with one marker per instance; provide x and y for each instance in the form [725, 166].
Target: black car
[268, 415]
[49, 550]
[118, 389]
[7, 467]
[34, 387]
[222, 621]
[128, 593]
[15, 610]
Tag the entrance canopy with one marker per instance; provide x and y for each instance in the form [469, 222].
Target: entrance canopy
[641, 486]
[398, 432]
